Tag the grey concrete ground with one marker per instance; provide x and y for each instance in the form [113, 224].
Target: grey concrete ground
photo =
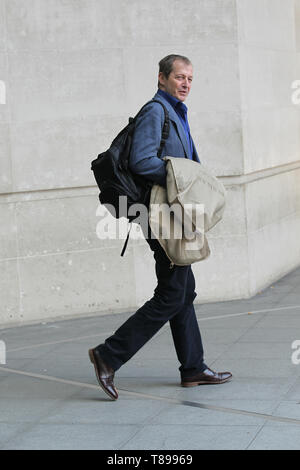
[50, 398]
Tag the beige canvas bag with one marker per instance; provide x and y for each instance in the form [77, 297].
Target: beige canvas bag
[180, 215]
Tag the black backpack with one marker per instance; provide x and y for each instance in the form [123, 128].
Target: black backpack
[113, 175]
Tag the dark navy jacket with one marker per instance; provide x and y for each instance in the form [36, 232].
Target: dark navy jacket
[147, 136]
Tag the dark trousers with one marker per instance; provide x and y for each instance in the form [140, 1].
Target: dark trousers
[172, 301]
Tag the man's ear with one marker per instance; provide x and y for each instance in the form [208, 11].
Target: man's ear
[161, 79]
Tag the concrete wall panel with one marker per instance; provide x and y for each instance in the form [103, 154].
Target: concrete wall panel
[10, 292]
[8, 232]
[268, 67]
[84, 24]
[297, 23]
[57, 154]
[267, 23]
[5, 161]
[62, 225]
[273, 218]
[4, 98]
[35, 25]
[5, 155]
[225, 274]
[55, 84]
[216, 77]
[267, 205]
[266, 77]
[219, 141]
[273, 252]
[2, 27]
[234, 221]
[75, 283]
[271, 137]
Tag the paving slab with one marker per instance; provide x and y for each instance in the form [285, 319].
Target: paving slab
[69, 437]
[277, 437]
[170, 437]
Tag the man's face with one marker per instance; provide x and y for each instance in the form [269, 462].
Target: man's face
[179, 82]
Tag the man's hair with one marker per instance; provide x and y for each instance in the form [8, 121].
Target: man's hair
[166, 64]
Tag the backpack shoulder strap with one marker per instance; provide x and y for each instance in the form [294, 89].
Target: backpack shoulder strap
[165, 130]
[166, 125]
[164, 136]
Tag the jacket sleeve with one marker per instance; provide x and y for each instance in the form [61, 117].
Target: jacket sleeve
[145, 144]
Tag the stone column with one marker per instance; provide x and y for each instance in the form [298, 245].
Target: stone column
[256, 151]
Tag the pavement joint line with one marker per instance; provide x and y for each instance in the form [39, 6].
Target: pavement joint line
[175, 401]
[67, 340]
[216, 317]
[266, 310]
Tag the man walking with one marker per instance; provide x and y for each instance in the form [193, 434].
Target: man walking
[175, 292]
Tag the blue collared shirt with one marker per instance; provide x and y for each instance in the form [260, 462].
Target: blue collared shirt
[181, 111]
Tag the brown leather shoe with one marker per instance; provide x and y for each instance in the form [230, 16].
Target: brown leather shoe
[104, 374]
[206, 377]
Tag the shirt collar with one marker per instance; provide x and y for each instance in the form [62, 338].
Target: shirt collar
[174, 102]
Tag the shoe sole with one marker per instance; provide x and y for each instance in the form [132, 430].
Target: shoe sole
[194, 384]
[92, 359]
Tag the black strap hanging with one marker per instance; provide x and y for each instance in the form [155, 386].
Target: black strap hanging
[164, 136]
[126, 241]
